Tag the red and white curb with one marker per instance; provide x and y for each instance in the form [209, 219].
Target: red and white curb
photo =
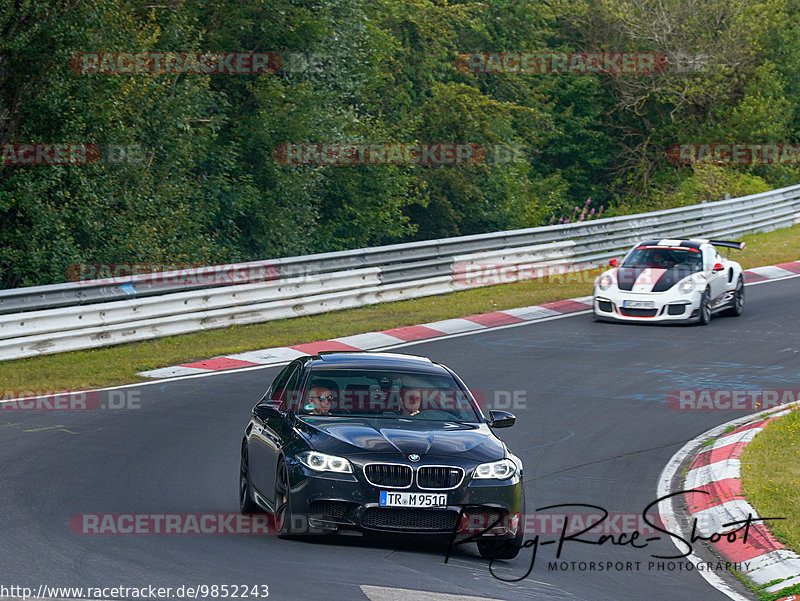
[772, 272]
[716, 470]
[372, 341]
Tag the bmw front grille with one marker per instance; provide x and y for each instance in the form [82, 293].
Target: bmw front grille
[428, 477]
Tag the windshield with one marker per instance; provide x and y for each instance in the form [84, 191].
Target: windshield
[388, 394]
[661, 257]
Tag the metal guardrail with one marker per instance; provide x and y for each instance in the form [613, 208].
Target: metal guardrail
[79, 315]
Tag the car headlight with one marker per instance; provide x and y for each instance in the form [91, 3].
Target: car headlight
[498, 470]
[605, 282]
[686, 286]
[320, 462]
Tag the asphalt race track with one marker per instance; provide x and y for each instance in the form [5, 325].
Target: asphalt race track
[593, 428]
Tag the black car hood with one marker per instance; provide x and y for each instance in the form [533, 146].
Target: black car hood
[345, 435]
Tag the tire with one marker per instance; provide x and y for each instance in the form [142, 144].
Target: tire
[738, 300]
[505, 547]
[705, 308]
[283, 502]
[500, 547]
[246, 503]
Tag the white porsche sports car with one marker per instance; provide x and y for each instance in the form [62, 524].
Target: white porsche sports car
[671, 281]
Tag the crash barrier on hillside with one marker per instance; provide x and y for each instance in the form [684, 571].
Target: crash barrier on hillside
[98, 312]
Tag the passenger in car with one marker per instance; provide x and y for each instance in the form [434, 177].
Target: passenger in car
[412, 402]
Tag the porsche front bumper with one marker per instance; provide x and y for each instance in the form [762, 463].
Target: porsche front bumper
[615, 305]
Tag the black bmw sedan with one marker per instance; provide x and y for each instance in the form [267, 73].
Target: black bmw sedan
[381, 442]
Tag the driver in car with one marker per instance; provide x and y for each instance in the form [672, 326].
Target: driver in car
[321, 397]
[660, 260]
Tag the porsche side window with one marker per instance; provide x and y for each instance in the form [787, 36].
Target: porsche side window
[708, 259]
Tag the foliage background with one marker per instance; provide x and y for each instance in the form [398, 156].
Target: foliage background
[208, 190]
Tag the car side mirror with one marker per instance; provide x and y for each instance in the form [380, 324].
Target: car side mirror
[613, 262]
[501, 419]
[718, 267]
[266, 411]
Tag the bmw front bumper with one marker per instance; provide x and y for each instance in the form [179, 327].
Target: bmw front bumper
[325, 501]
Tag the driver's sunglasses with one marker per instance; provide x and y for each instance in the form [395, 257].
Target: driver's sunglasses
[324, 397]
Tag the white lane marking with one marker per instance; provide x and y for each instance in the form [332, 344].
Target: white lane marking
[454, 326]
[269, 355]
[369, 340]
[385, 593]
[278, 363]
[788, 277]
[713, 472]
[284, 362]
[711, 520]
[493, 328]
[666, 507]
[743, 436]
[531, 313]
[781, 564]
[169, 372]
[480, 569]
[772, 271]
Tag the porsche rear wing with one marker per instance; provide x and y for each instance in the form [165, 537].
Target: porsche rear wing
[728, 244]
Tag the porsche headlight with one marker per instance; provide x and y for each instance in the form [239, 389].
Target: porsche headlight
[320, 462]
[497, 470]
[687, 286]
[605, 282]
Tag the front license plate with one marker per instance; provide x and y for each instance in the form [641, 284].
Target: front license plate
[412, 499]
[638, 304]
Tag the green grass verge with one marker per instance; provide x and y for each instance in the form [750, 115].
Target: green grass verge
[771, 482]
[787, 592]
[119, 364]
[761, 592]
[771, 476]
